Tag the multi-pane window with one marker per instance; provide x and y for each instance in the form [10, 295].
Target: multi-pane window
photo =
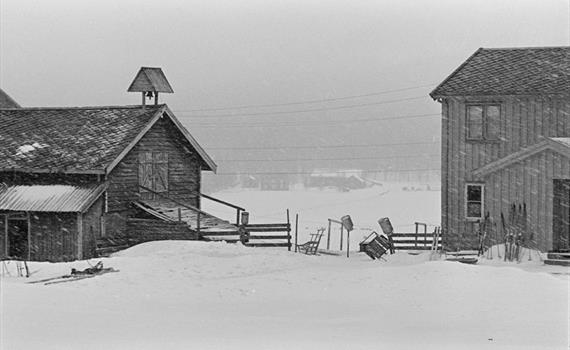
[153, 173]
[483, 121]
[474, 207]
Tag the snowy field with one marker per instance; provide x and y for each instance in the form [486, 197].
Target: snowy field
[197, 295]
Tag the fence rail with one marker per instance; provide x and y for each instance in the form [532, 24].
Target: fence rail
[418, 240]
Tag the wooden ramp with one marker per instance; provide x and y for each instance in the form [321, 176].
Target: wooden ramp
[195, 218]
[212, 228]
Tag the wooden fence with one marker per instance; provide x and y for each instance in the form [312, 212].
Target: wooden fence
[418, 240]
[254, 235]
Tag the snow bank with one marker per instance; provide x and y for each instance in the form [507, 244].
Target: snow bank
[181, 295]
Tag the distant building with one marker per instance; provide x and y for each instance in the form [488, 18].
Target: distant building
[348, 179]
[506, 146]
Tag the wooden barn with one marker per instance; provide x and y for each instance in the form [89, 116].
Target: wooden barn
[71, 177]
[506, 147]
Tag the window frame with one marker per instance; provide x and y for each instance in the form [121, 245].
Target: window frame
[484, 121]
[466, 211]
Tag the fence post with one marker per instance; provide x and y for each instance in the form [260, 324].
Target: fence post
[416, 240]
[288, 231]
[425, 236]
[329, 236]
[296, 230]
[347, 243]
[341, 234]
[179, 214]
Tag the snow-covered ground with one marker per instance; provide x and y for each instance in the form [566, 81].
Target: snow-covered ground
[198, 295]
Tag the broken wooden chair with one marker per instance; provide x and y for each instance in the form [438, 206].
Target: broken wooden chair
[375, 246]
[310, 247]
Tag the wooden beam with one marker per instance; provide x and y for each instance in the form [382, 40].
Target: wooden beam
[222, 202]
[288, 237]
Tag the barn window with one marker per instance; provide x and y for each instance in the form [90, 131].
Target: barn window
[474, 207]
[483, 121]
[153, 173]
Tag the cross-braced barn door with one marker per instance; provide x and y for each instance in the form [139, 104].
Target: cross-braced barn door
[153, 173]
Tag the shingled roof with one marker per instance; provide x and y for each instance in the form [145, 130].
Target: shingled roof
[78, 140]
[511, 71]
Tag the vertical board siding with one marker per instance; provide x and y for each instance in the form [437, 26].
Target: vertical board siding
[183, 172]
[524, 121]
[3, 237]
[92, 228]
[53, 236]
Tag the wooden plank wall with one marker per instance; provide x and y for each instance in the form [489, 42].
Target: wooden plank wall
[146, 230]
[3, 238]
[523, 121]
[183, 169]
[92, 228]
[53, 236]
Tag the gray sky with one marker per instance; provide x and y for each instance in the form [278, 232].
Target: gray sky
[225, 53]
[232, 53]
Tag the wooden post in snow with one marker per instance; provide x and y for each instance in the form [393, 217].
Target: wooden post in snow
[341, 234]
[29, 236]
[296, 230]
[329, 236]
[288, 231]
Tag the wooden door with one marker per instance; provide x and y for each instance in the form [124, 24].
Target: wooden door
[153, 173]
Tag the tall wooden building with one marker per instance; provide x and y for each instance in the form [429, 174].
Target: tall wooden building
[69, 176]
[506, 145]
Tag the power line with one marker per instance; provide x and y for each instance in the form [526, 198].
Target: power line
[323, 159]
[332, 172]
[262, 148]
[231, 115]
[308, 101]
[306, 124]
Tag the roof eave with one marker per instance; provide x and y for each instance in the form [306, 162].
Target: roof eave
[135, 140]
[96, 195]
[54, 171]
[434, 94]
[547, 144]
[208, 161]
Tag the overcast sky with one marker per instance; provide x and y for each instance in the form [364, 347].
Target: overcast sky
[225, 53]
[232, 53]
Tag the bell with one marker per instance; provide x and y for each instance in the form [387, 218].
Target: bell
[149, 95]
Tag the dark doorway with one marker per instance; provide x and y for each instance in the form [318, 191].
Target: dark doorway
[561, 215]
[18, 238]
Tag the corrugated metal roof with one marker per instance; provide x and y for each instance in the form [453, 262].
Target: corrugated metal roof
[150, 79]
[49, 198]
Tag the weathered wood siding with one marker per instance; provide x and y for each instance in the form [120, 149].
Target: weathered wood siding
[53, 236]
[523, 121]
[3, 237]
[92, 228]
[146, 230]
[183, 169]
